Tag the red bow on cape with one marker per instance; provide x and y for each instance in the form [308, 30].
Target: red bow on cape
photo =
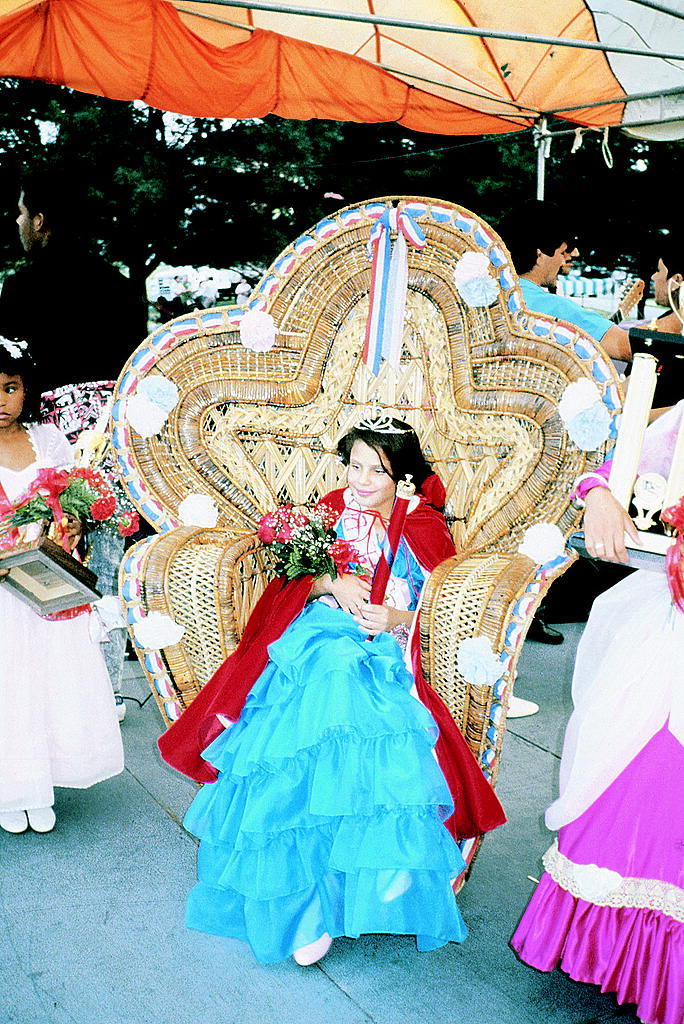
[477, 808]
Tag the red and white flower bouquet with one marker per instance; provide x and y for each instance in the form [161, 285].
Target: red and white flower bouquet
[56, 493]
[304, 543]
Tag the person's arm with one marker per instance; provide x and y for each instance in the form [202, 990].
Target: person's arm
[655, 414]
[350, 591]
[669, 323]
[605, 525]
[616, 343]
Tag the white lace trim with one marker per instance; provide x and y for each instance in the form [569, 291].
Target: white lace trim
[606, 888]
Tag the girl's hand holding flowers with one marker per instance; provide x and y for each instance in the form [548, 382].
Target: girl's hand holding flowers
[350, 591]
[72, 531]
[305, 543]
[75, 499]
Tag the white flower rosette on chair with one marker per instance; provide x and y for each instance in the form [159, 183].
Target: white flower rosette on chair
[198, 509]
[157, 630]
[148, 409]
[584, 414]
[258, 331]
[473, 281]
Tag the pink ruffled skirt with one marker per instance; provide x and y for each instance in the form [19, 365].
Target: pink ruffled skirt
[609, 909]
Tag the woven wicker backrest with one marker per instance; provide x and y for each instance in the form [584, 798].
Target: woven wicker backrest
[480, 385]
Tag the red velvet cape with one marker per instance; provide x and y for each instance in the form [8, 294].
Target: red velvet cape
[477, 808]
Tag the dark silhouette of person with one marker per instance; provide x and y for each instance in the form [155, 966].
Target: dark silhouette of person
[81, 316]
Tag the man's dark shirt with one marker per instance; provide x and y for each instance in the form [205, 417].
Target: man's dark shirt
[80, 316]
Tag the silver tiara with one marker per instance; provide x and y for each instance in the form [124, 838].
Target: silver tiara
[381, 424]
[16, 349]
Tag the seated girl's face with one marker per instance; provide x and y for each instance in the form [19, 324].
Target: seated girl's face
[369, 478]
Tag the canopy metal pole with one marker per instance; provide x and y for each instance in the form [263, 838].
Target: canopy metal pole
[625, 124]
[677, 90]
[658, 7]
[542, 140]
[434, 26]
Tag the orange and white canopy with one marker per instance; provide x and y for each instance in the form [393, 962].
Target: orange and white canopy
[447, 66]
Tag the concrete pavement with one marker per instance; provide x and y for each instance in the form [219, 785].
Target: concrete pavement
[91, 916]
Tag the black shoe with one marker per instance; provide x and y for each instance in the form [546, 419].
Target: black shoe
[543, 634]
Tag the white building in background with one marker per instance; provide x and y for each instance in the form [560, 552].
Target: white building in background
[202, 284]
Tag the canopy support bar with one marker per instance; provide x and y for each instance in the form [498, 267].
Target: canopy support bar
[624, 124]
[678, 90]
[659, 7]
[542, 140]
[431, 26]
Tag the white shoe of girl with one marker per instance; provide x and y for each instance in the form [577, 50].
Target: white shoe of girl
[315, 951]
[41, 819]
[519, 708]
[13, 821]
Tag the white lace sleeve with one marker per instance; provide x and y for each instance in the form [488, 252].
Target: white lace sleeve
[52, 447]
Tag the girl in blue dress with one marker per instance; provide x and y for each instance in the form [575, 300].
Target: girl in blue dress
[327, 817]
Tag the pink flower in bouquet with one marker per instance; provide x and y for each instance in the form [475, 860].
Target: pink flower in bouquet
[103, 508]
[343, 554]
[267, 528]
[284, 534]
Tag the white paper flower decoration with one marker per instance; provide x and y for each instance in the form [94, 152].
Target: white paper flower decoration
[157, 630]
[578, 396]
[198, 510]
[586, 418]
[258, 331]
[590, 428]
[471, 264]
[473, 282]
[144, 416]
[109, 610]
[594, 883]
[160, 391]
[477, 662]
[543, 543]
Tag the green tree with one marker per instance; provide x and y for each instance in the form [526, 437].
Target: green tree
[152, 187]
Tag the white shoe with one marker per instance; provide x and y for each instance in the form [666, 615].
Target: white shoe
[13, 821]
[41, 819]
[519, 708]
[120, 707]
[315, 951]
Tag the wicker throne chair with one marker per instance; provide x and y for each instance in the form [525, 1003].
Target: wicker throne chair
[480, 384]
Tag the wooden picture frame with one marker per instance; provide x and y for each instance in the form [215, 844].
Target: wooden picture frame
[46, 577]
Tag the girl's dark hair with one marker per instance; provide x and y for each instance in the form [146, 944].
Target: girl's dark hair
[403, 451]
[22, 366]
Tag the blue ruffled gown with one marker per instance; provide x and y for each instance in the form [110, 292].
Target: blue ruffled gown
[327, 815]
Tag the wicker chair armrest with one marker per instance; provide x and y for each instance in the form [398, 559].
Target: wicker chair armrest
[207, 581]
[491, 594]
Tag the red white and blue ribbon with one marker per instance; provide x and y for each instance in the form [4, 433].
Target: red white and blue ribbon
[389, 282]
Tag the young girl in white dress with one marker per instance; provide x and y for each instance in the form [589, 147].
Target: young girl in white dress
[58, 722]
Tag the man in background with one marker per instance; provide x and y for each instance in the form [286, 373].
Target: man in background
[542, 241]
[543, 244]
[82, 319]
[81, 316]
